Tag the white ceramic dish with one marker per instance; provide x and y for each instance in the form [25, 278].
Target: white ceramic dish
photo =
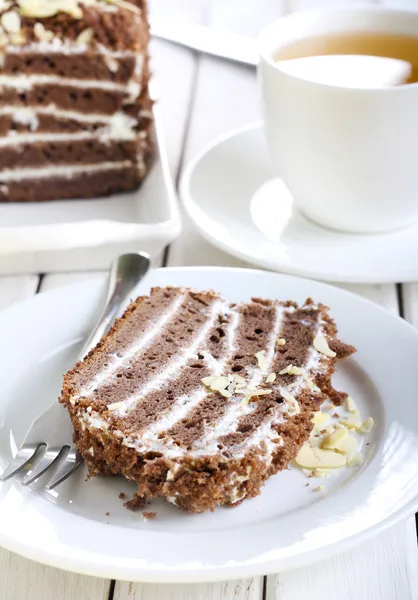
[69, 235]
[232, 195]
[83, 526]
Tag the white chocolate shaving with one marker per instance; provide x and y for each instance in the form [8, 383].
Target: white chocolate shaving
[333, 439]
[11, 22]
[356, 460]
[115, 406]
[312, 458]
[320, 418]
[367, 425]
[350, 405]
[321, 345]
[262, 360]
[347, 445]
[294, 408]
[84, 37]
[41, 33]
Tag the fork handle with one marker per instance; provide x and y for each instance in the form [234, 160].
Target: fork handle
[125, 273]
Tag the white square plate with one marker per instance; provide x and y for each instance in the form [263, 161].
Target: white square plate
[66, 235]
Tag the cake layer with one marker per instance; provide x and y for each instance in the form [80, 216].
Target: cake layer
[75, 112]
[101, 67]
[69, 151]
[50, 119]
[199, 400]
[87, 182]
[83, 99]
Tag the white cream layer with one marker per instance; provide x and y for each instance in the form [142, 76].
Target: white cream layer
[67, 171]
[134, 350]
[34, 138]
[66, 46]
[118, 127]
[27, 82]
[28, 114]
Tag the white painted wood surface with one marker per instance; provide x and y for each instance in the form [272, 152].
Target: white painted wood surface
[201, 98]
[245, 589]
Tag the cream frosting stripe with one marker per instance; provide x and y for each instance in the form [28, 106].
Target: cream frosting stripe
[265, 432]
[103, 135]
[237, 409]
[52, 110]
[57, 46]
[27, 82]
[60, 171]
[174, 366]
[148, 440]
[135, 349]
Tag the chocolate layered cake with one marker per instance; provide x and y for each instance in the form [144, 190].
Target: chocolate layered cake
[75, 112]
[198, 400]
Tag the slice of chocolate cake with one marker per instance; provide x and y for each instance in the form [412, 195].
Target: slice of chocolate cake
[199, 400]
[75, 114]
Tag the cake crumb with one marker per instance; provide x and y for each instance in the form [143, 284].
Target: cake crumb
[108, 514]
[122, 495]
[148, 515]
[318, 488]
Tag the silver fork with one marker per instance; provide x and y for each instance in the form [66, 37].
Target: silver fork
[48, 444]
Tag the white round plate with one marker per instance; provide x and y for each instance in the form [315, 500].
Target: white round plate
[83, 525]
[232, 196]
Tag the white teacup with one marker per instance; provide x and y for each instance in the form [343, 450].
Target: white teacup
[349, 156]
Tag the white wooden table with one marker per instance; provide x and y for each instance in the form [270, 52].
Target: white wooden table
[203, 97]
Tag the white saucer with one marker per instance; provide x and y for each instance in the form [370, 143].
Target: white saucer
[83, 526]
[230, 193]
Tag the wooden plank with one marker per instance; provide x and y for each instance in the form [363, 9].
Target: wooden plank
[382, 569]
[386, 295]
[174, 70]
[298, 5]
[17, 288]
[55, 280]
[403, 4]
[22, 579]
[410, 302]
[245, 589]
[226, 97]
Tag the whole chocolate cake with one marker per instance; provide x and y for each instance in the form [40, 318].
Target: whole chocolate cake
[75, 113]
[199, 400]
